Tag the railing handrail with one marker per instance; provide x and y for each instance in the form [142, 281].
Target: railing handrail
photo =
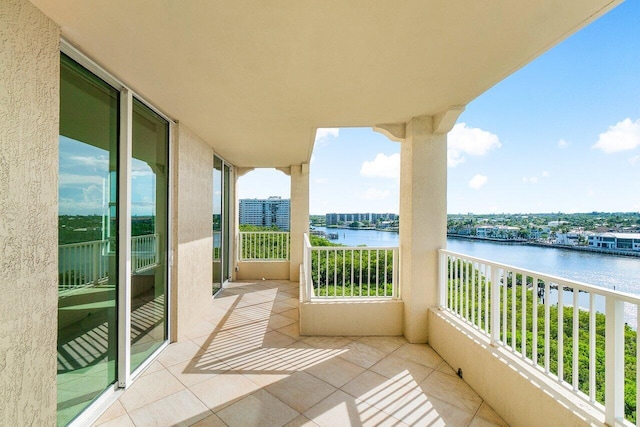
[263, 232]
[625, 296]
[93, 242]
[88, 243]
[354, 248]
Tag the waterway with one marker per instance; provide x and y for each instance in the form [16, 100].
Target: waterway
[609, 271]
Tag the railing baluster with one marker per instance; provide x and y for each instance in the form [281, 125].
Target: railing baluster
[547, 326]
[514, 297]
[614, 361]
[351, 284]
[384, 283]
[360, 270]
[592, 347]
[454, 284]
[534, 320]
[466, 293]
[326, 275]
[560, 333]
[504, 305]
[368, 273]
[495, 306]
[335, 271]
[473, 292]
[523, 344]
[486, 297]
[344, 265]
[449, 281]
[575, 376]
[377, 270]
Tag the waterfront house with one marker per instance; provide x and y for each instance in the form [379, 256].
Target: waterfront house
[139, 114]
[623, 241]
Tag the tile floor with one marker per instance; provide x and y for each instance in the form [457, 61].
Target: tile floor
[245, 365]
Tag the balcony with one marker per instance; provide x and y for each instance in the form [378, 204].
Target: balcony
[247, 365]
[260, 108]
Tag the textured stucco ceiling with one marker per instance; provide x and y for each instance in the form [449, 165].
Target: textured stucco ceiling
[256, 78]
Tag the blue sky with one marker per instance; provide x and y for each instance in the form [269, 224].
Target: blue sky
[561, 134]
[85, 186]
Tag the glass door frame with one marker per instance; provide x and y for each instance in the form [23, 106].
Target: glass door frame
[125, 145]
[227, 223]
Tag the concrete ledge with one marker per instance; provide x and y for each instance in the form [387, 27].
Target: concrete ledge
[270, 270]
[351, 318]
[521, 394]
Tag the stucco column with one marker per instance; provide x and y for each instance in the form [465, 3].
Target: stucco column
[423, 212]
[29, 130]
[298, 217]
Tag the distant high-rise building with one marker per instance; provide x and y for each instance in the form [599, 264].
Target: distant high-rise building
[337, 218]
[265, 212]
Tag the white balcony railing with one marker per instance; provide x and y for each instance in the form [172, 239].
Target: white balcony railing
[522, 310]
[83, 264]
[263, 246]
[87, 263]
[350, 272]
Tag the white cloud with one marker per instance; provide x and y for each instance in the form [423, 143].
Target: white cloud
[467, 140]
[545, 174]
[323, 134]
[382, 166]
[563, 144]
[531, 180]
[634, 160]
[322, 180]
[622, 136]
[375, 194]
[478, 181]
[88, 161]
[67, 179]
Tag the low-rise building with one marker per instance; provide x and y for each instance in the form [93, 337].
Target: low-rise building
[622, 241]
[497, 231]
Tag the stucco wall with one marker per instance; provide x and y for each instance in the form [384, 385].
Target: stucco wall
[274, 270]
[351, 318]
[193, 160]
[29, 86]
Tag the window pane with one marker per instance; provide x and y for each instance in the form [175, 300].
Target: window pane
[87, 232]
[149, 180]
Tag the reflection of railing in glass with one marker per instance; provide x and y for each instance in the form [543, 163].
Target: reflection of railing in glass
[217, 245]
[87, 263]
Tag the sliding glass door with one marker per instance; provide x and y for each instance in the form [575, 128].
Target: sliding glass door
[217, 225]
[87, 239]
[221, 223]
[149, 177]
[96, 212]
[226, 223]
